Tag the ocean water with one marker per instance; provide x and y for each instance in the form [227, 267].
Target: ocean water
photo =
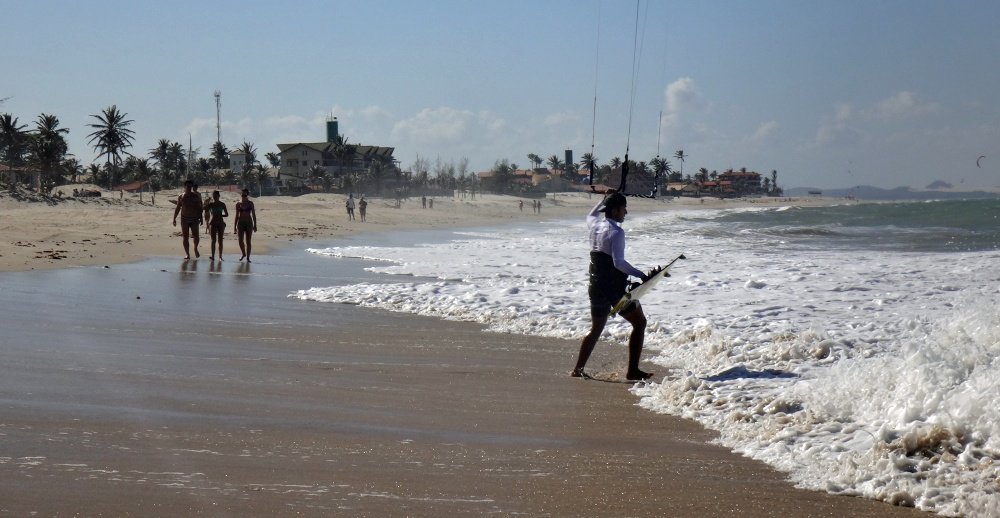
[855, 347]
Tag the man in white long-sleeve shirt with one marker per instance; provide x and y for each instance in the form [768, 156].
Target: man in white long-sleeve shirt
[609, 272]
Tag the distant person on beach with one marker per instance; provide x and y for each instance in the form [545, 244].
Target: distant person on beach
[609, 272]
[246, 223]
[362, 207]
[215, 219]
[430, 203]
[520, 205]
[423, 202]
[350, 207]
[190, 209]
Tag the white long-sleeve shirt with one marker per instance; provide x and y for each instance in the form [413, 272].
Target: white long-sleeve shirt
[607, 236]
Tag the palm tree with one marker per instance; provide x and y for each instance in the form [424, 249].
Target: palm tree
[94, 171]
[661, 166]
[344, 152]
[502, 175]
[273, 159]
[260, 176]
[317, 175]
[587, 161]
[615, 163]
[178, 158]
[14, 141]
[74, 168]
[554, 163]
[143, 173]
[679, 155]
[204, 171]
[161, 154]
[250, 153]
[535, 160]
[220, 155]
[774, 182]
[703, 174]
[111, 137]
[48, 148]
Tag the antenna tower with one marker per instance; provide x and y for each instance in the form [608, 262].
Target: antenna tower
[218, 116]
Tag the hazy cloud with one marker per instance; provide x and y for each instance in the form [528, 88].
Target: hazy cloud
[763, 132]
[681, 95]
[556, 119]
[903, 104]
[446, 125]
[838, 129]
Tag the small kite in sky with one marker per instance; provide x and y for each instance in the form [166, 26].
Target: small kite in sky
[978, 159]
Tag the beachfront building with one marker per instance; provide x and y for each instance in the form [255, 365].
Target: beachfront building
[527, 180]
[303, 162]
[730, 184]
[237, 159]
[740, 183]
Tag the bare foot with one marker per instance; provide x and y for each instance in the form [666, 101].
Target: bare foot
[241, 257]
[211, 258]
[578, 373]
[638, 376]
[196, 254]
[248, 259]
[220, 257]
[187, 257]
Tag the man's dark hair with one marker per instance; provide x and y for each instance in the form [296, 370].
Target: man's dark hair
[614, 201]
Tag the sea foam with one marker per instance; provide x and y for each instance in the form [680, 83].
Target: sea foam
[857, 370]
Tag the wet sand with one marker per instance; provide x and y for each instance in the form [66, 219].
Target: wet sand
[166, 388]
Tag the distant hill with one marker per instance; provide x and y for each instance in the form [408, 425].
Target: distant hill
[867, 192]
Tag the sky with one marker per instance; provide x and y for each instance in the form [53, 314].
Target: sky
[830, 94]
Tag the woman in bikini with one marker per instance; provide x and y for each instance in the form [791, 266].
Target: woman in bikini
[215, 219]
[246, 223]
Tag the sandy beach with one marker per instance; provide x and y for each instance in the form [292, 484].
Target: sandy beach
[114, 229]
[135, 383]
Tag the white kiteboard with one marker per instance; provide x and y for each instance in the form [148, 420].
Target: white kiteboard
[636, 292]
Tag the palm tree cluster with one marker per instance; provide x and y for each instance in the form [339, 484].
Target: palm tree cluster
[39, 156]
[42, 151]
[655, 168]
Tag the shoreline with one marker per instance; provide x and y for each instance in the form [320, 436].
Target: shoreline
[322, 408]
[105, 231]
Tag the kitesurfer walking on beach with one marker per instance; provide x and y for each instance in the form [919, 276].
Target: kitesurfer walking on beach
[609, 272]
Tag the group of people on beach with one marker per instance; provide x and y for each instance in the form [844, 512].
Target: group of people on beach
[609, 271]
[536, 206]
[194, 212]
[362, 207]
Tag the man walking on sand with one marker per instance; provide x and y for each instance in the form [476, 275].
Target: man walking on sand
[609, 273]
[190, 209]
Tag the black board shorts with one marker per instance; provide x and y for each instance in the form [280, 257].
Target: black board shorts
[607, 285]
